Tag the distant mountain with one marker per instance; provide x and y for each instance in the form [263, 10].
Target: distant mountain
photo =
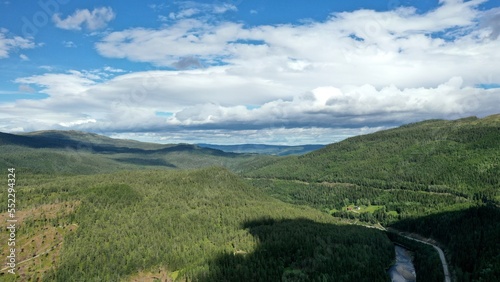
[277, 150]
[80, 152]
[91, 138]
[98, 143]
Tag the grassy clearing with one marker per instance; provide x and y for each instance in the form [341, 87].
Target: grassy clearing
[362, 208]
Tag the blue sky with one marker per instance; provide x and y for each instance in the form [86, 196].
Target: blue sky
[240, 71]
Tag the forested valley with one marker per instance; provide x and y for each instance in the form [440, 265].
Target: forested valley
[437, 178]
[200, 225]
[93, 208]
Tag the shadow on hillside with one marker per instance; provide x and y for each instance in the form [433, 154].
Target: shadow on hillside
[304, 250]
[39, 142]
[470, 236]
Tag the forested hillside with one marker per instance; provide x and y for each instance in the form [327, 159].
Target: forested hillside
[204, 225]
[460, 157]
[437, 178]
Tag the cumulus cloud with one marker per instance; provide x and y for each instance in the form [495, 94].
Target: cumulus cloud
[93, 20]
[351, 107]
[185, 38]
[59, 85]
[129, 103]
[400, 47]
[12, 43]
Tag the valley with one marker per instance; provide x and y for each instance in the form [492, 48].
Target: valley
[263, 149]
[92, 208]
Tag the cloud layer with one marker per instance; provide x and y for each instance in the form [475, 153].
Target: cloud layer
[215, 81]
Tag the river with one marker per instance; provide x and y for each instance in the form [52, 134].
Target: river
[403, 270]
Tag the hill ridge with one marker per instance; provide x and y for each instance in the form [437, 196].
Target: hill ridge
[458, 156]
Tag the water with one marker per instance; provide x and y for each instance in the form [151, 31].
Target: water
[403, 270]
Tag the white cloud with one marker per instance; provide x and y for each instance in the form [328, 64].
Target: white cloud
[129, 103]
[189, 9]
[364, 46]
[184, 14]
[223, 8]
[69, 44]
[23, 57]
[351, 106]
[77, 122]
[113, 70]
[59, 85]
[12, 43]
[93, 20]
[163, 18]
[47, 68]
[185, 38]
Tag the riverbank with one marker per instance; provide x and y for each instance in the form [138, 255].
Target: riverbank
[427, 262]
[403, 269]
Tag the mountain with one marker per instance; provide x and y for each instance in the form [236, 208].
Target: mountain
[461, 157]
[71, 136]
[277, 150]
[73, 152]
[77, 140]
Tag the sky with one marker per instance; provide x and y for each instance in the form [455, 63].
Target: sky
[241, 71]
